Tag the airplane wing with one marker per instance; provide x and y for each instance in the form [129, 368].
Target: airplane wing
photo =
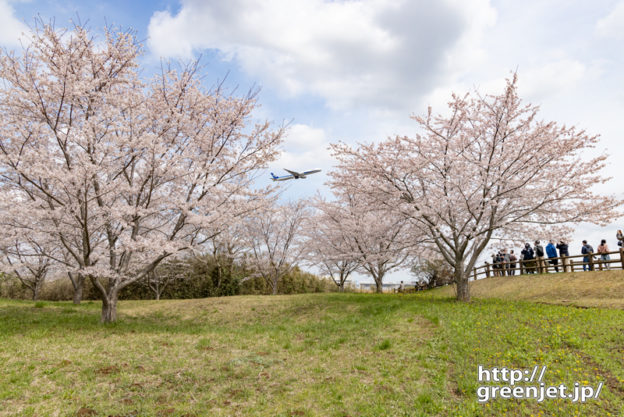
[314, 171]
[293, 173]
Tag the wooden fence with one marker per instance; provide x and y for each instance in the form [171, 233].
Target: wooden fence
[545, 265]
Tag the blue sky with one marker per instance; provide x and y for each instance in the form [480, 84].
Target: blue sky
[356, 70]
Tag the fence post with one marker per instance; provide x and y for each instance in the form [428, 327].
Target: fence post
[564, 266]
[622, 256]
[591, 261]
[487, 270]
[521, 262]
[474, 274]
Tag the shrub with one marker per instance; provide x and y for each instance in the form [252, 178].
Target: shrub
[200, 277]
[433, 272]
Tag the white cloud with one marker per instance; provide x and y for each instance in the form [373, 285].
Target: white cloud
[305, 137]
[612, 25]
[552, 78]
[469, 50]
[542, 82]
[305, 148]
[11, 28]
[368, 52]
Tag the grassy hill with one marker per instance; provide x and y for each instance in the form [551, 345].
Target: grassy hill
[582, 289]
[302, 355]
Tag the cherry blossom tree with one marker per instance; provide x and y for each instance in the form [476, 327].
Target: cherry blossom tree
[329, 245]
[122, 173]
[376, 240]
[224, 250]
[488, 170]
[273, 237]
[166, 273]
[28, 261]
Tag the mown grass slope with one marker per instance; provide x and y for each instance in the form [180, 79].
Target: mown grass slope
[302, 355]
[582, 289]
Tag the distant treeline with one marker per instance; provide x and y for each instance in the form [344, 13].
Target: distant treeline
[196, 277]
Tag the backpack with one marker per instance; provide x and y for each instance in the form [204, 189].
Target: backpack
[587, 249]
[539, 250]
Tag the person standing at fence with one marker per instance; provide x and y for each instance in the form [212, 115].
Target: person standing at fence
[527, 259]
[494, 265]
[564, 253]
[506, 266]
[587, 250]
[512, 263]
[539, 257]
[603, 250]
[499, 262]
[551, 251]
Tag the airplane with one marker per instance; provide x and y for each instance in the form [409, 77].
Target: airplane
[293, 175]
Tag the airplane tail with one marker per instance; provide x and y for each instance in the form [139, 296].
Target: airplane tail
[273, 176]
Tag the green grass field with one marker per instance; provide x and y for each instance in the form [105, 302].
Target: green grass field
[302, 355]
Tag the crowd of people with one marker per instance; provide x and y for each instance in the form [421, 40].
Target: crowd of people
[535, 259]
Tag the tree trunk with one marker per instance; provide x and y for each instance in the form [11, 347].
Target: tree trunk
[462, 286]
[109, 295]
[274, 286]
[109, 308]
[78, 293]
[156, 288]
[341, 287]
[219, 274]
[78, 284]
[378, 287]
